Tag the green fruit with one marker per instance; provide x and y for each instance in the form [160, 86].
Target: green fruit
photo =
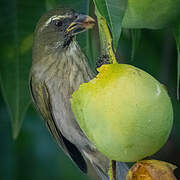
[152, 14]
[124, 111]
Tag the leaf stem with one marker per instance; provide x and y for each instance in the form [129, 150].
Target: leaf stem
[105, 38]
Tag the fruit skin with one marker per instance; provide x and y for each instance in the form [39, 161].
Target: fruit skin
[124, 111]
[151, 14]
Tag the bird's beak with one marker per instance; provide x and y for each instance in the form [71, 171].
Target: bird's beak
[80, 24]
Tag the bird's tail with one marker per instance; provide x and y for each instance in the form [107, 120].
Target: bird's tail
[121, 171]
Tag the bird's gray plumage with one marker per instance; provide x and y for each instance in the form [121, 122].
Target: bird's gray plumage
[58, 69]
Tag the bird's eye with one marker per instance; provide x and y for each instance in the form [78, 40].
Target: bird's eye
[58, 23]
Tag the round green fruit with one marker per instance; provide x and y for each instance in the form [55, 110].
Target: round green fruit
[124, 111]
[152, 14]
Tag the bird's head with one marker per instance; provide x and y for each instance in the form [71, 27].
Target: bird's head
[58, 27]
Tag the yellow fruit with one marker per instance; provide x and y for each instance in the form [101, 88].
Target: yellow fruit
[152, 14]
[124, 111]
[151, 170]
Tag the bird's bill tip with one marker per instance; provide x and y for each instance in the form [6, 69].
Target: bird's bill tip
[81, 23]
[87, 21]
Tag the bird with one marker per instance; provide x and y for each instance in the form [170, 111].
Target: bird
[58, 68]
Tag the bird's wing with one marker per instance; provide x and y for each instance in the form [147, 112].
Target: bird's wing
[42, 101]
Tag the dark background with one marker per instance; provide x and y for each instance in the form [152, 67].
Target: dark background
[35, 155]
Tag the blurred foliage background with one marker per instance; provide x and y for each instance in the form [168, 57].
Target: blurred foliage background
[34, 154]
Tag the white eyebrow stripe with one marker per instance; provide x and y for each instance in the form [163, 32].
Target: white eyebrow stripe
[54, 18]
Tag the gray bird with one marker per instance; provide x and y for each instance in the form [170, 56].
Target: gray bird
[58, 68]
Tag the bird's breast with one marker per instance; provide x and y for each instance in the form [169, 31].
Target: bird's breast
[63, 73]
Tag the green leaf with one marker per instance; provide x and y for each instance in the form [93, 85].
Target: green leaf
[17, 24]
[136, 37]
[50, 4]
[17, 21]
[92, 45]
[113, 11]
[177, 38]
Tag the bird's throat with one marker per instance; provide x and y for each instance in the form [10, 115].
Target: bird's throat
[68, 64]
[68, 40]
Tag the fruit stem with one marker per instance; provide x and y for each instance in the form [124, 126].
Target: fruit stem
[105, 38]
[112, 170]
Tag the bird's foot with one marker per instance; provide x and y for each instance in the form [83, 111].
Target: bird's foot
[103, 59]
